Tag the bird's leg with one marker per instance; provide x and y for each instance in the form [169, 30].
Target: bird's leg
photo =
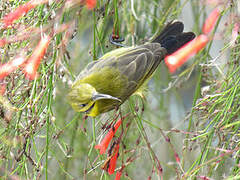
[116, 39]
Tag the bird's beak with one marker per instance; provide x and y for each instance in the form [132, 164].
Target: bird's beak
[99, 96]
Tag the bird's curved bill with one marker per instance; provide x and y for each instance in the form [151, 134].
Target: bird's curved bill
[98, 96]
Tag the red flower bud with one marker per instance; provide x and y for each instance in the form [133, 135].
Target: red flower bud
[113, 160]
[2, 42]
[91, 4]
[210, 21]
[30, 69]
[179, 57]
[107, 139]
[118, 175]
[11, 66]
[20, 11]
[177, 158]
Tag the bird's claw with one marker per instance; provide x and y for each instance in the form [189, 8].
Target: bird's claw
[116, 40]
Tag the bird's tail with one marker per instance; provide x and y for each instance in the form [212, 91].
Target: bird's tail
[172, 37]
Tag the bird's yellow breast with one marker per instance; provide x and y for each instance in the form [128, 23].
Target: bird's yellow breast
[107, 80]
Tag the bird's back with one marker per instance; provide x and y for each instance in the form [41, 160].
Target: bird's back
[121, 75]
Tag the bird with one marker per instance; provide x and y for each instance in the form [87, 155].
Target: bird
[105, 84]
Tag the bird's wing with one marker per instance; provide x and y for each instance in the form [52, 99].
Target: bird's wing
[135, 64]
[140, 64]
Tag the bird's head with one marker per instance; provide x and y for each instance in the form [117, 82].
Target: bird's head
[83, 96]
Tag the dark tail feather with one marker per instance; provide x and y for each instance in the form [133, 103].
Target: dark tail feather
[172, 37]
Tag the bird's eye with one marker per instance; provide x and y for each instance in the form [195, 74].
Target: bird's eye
[82, 105]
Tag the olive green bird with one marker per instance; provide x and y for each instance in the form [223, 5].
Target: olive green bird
[108, 82]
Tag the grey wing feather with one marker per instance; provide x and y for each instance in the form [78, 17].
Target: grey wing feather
[140, 66]
[137, 65]
[136, 70]
[86, 70]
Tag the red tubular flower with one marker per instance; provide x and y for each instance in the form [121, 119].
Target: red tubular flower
[210, 21]
[2, 42]
[177, 158]
[176, 59]
[30, 69]
[91, 4]
[2, 89]
[118, 175]
[11, 66]
[107, 139]
[20, 11]
[113, 160]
